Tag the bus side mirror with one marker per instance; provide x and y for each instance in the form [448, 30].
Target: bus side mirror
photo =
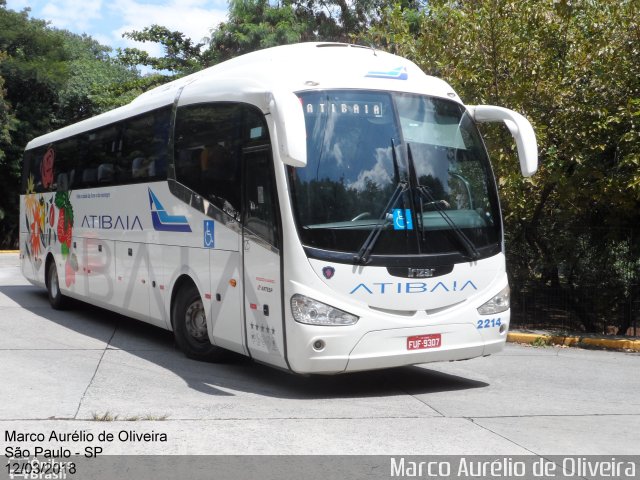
[288, 117]
[520, 129]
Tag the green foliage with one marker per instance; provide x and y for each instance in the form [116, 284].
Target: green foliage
[573, 69]
[541, 342]
[181, 55]
[48, 78]
[258, 24]
[8, 125]
[254, 25]
[93, 76]
[7, 119]
[338, 20]
[33, 69]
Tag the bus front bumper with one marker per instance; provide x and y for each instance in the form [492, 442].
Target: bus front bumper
[404, 346]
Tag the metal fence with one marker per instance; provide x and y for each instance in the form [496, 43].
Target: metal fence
[587, 280]
[587, 308]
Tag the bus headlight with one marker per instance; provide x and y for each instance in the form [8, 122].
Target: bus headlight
[312, 312]
[497, 304]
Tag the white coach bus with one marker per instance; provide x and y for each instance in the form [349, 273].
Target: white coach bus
[321, 208]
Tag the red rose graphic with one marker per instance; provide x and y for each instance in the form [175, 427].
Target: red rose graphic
[46, 168]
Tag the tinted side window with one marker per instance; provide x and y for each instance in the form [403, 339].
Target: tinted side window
[95, 157]
[135, 150]
[70, 166]
[26, 170]
[32, 181]
[144, 148]
[41, 168]
[261, 196]
[208, 141]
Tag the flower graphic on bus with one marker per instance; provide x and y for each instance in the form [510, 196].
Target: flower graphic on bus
[65, 234]
[42, 231]
[46, 168]
[35, 222]
[36, 227]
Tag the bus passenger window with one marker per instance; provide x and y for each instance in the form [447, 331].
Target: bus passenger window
[69, 153]
[32, 181]
[144, 148]
[98, 163]
[207, 143]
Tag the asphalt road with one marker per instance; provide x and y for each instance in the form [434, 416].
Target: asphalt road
[62, 370]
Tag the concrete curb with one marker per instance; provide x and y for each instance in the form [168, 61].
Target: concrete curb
[9, 251]
[574, 341]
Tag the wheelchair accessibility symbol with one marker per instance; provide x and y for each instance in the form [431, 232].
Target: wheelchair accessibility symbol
[402, 219]
[208, 234]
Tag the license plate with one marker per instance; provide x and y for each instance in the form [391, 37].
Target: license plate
[419, 342]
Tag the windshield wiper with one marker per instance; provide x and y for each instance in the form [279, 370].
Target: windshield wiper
[467, 244]
[362, 257]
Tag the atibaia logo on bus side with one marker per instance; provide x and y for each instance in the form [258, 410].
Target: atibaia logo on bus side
[164, 222]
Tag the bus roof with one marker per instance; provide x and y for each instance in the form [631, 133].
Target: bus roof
[252, 77]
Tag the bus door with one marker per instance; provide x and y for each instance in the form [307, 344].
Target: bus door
[261, 259]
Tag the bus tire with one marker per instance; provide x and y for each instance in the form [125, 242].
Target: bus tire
[57, 300]
[190, 326]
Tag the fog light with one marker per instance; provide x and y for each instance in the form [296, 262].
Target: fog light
[318, 345]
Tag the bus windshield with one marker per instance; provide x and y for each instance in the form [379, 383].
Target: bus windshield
[403, 174]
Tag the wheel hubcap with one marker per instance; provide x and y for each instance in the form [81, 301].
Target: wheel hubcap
[196, 321]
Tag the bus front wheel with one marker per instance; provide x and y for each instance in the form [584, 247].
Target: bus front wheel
[190, 326]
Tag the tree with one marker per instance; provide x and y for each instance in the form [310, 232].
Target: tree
[33, 69]
[7, 119]
[7, 126]
[95, 80]
[258, 24]
[337, 20]
[51, 78]
[573, 69]
[181, 55]
[254, 25]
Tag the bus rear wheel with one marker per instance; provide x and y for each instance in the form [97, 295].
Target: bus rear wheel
[56, 299]
[190, 326]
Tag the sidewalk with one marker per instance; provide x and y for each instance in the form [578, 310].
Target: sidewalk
[584, 340]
